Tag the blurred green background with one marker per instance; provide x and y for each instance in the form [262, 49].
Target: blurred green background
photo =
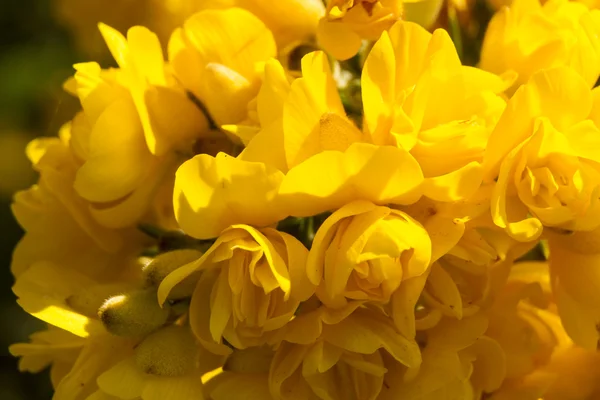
[36, 55]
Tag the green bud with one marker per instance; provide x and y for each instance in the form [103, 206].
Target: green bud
[134, 313]
[165, 263]
[171, 351]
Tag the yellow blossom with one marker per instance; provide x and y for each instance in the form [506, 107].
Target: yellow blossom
[542, 153]
[575, 279]
[338, 354]
[122, 165]
[364, 252]
[459, 362]
[347, 22]
[527, 37]
[218, 56]
[54, 347]
[418, 96]
[251, 285]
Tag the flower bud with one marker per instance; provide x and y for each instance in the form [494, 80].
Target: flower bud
[164, 264]
[87, 300]
[134, 313]
[171, 351]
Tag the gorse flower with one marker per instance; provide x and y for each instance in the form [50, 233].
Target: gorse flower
[311, 201]
[528, 36]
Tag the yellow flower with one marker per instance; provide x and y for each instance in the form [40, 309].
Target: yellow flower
[247, 370]
[265, 119]
[218, 56]
[418, 96]
[134, 120]
[347, 22]
[212, 193]
[524, 321]
[459, 362]
[53, 282]
[541, 359]
[342, 354]
[53, 347]
[55, 218]
[364, 252]
[289, 20]
[251, 286]
[76, 363]
[543, 154]
[527, 37]
[575, 279]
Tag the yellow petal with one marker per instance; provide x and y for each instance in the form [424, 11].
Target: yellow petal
[331, 179]
[338, 39]
[442, 292]
[200, 311]
[579, 320]
[212, 193]
[100, 354]
[365, 333]
[248, 386]
[489, 366]
[117, 44]
[378, 84]
[117, 155]
[188, 387]
[456, 185]
[232, 37]
[310, 97]
[272, 93]
[173, 118]
[403, 304]
[125, 380]
[42, 292]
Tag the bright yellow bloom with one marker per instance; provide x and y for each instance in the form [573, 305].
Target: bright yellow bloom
[123, 165]
[212, 193]
[218, 56]
[347, 22]
[265, 115]
[523, 321]
[543, 153]
[459, 362]
[76, 362]
[289, 20]
[528, 37]
[54, 283]
[575, 280]
[54, 217]
[53, 347]
[247, 370]
[363, 252]
[251, 285]
[340, 354]
[541, 359]
[418, 96]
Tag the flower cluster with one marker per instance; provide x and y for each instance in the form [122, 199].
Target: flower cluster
[307, 201]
